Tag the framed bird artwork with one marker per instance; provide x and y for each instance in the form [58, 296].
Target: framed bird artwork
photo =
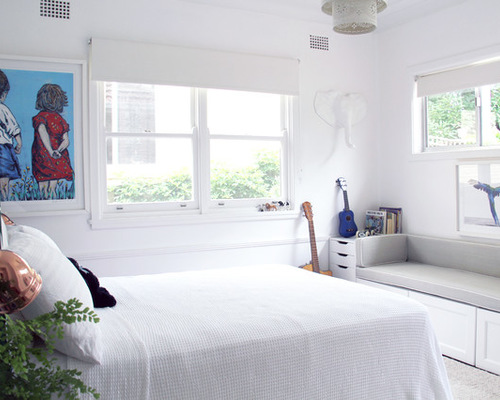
[478, 197]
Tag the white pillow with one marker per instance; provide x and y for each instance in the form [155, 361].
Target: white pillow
[61, 281]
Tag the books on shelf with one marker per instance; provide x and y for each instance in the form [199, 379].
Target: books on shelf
[394, 217]
[375, 222]
[385, 220]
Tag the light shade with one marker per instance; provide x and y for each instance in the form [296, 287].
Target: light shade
[19, 283]
[381, 5]
[354, 16]
[326, 6]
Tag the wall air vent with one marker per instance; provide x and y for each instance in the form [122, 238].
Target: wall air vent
[318, 42]
[54, 9]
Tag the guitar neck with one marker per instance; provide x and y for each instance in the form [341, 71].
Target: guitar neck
[314, 250]
[346, 201]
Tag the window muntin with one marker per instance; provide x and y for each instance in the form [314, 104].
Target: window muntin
[181, 147]
[491, 115]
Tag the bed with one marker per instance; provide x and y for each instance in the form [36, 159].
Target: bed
[255, 332]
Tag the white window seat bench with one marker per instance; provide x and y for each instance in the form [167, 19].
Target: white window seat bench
[458, 281]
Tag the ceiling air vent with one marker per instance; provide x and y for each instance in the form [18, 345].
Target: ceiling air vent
[318, 42]
[54, 9]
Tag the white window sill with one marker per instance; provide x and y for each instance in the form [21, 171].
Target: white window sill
[454, 154]
[156, 219]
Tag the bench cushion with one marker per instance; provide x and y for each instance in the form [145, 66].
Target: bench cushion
[455, 284]
[458, 254]
[382, 249]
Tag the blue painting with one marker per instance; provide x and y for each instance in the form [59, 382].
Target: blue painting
[36, 135]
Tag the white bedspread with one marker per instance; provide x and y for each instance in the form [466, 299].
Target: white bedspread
[263, 332]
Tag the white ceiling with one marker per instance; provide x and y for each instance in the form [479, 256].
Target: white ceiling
[398, 11]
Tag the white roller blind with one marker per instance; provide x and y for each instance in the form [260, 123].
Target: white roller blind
[123, 61]
[459, 78]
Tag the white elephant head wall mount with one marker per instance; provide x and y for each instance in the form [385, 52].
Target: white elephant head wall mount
[340, 110]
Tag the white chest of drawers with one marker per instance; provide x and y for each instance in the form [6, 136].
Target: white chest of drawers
[343, 258]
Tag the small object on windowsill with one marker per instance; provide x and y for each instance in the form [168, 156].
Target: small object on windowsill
[274, 206]
[365, 233]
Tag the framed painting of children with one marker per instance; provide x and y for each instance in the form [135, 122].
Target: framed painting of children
[41, 140]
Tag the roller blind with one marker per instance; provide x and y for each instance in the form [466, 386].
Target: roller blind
[469, 76]
[124, 61]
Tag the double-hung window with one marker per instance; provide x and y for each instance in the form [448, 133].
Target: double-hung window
[459, 108]
[170, 146]
[149, 143]
[184, 148]
[248, 138]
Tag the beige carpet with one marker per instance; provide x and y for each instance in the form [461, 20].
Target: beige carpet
[469, 383]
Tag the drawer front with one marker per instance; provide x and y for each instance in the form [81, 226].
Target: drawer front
[339, 245]
[343, 259]
[343, 272]
[488, 340]
[454, 324]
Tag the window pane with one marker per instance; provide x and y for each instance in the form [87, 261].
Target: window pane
[243, 113]
[451, 119]
[245, 169]
[491, 127]
[141, 108]
[163, 173]
[129, 150]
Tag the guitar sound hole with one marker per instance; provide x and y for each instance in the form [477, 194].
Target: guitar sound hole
[348, 218]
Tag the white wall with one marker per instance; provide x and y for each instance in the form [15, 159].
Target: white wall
[350, 65]
[425, 185]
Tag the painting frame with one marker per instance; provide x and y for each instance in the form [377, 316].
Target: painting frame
[478, 198]
[28, 75]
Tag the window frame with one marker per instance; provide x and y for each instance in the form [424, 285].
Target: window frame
[481, 77]
[420, 132]
[284, 140]
[201, 205]
[443, 148]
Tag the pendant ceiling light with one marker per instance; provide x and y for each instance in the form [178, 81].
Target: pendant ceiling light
[353, 16]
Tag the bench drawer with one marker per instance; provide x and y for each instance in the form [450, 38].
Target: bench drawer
[454, 324]
[488, 340]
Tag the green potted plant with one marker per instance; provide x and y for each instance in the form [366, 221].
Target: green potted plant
[27, 369]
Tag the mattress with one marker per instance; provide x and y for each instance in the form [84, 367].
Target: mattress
[262, 332]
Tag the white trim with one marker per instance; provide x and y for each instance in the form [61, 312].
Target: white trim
[187, 217]
[95, 157]
[455, 154]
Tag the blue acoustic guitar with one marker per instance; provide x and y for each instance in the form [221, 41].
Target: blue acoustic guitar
[347, 226]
